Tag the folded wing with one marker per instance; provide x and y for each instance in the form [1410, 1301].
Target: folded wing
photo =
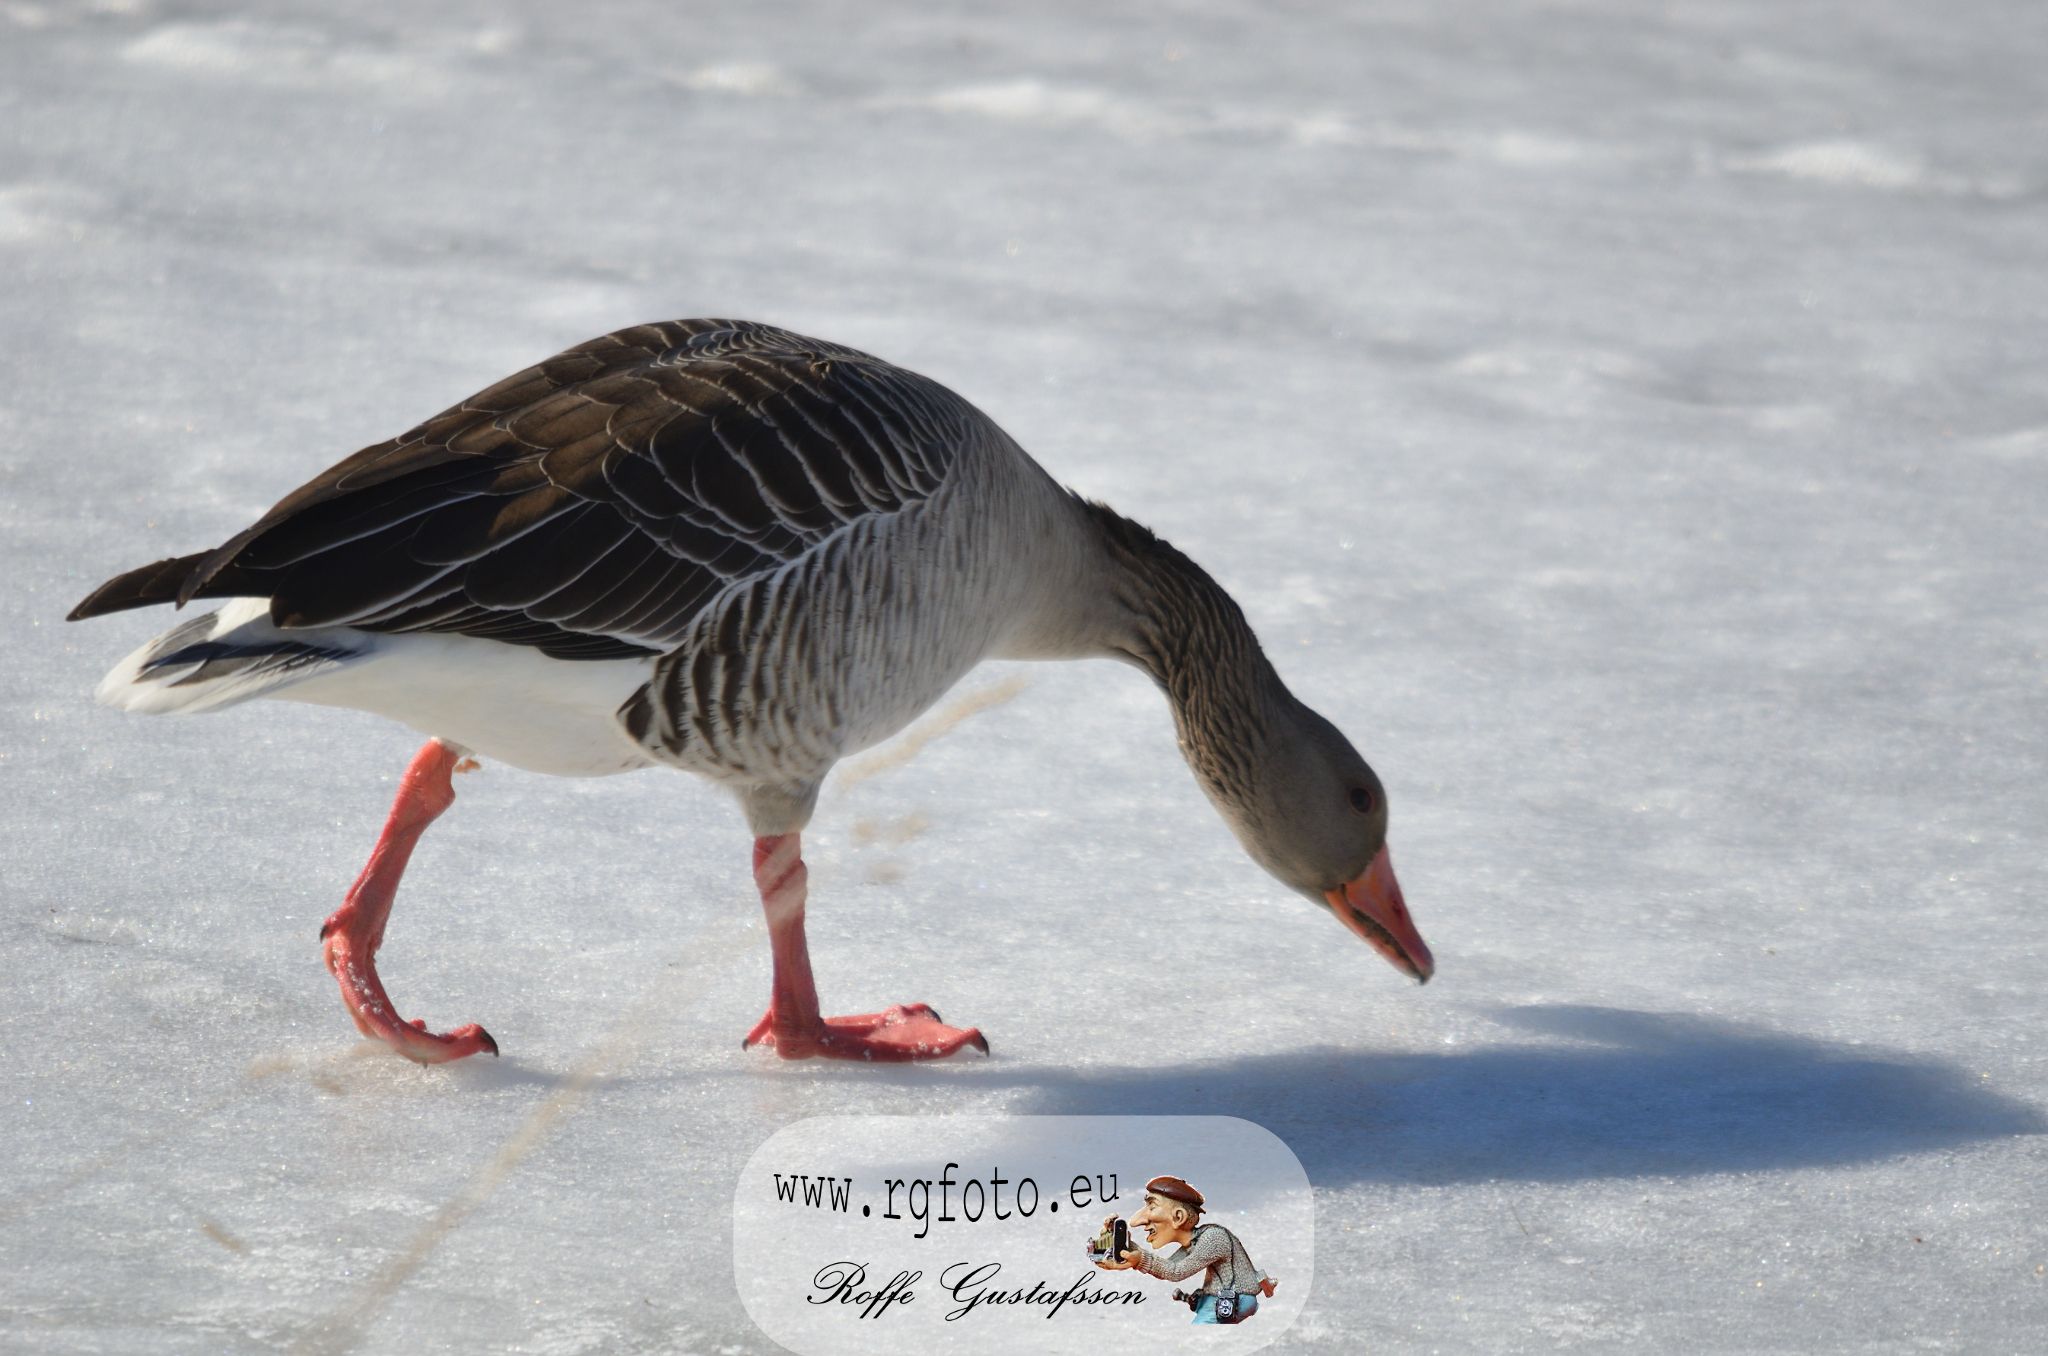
[592, 504]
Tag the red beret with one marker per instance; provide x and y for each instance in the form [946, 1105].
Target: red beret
[1173, 1189]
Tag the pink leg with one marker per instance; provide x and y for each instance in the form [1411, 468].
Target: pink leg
[356, 929]
[792, 1024]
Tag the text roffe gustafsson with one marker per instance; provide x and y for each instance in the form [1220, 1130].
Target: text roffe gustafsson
[948, 1199]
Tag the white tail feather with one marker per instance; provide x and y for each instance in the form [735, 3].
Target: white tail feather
[222, 658]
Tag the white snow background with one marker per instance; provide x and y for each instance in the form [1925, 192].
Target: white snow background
[1631, 427]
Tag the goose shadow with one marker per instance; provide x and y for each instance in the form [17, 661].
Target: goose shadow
[1611, 1093]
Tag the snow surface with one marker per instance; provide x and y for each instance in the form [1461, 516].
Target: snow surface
[1632, 426]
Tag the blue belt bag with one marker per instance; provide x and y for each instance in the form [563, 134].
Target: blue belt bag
[1225, 1308]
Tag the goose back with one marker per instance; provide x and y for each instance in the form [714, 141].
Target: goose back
[592, 504]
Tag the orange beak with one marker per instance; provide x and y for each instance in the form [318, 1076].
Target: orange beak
[1372, 907]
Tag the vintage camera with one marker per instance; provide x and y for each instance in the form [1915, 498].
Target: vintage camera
[1112, 1243]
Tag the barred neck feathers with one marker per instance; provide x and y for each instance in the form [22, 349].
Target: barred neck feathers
[1192, 638]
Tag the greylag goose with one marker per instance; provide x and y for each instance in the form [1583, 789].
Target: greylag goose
[723, 547]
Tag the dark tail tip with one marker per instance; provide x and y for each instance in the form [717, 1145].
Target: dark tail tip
[162, 582]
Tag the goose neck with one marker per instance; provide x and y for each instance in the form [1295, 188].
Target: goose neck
[1183, 629]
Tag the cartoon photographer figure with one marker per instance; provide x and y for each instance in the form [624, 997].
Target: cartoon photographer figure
[1231, 1285]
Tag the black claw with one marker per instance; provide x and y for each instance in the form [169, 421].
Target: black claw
[489, 1043]
[325, 928]
[981, 1042]
[934, 1014]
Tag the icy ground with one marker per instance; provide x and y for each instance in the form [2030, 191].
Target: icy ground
[1632, 427]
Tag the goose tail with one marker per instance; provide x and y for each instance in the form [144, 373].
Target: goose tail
[223, 658]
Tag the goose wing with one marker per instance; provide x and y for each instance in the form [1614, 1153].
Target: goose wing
[592, 504]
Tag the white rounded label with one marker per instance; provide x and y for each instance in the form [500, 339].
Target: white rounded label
[883, 1234]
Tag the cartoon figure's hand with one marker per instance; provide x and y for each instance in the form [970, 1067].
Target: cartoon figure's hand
[1130, 1260]
[1269, 1285]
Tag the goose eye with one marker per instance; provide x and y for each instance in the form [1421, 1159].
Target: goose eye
[1361, 800]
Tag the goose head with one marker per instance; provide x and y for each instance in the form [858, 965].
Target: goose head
[1311, 811]
[1302, 802]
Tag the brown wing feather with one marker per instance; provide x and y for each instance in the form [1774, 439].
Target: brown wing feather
[591, 504]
